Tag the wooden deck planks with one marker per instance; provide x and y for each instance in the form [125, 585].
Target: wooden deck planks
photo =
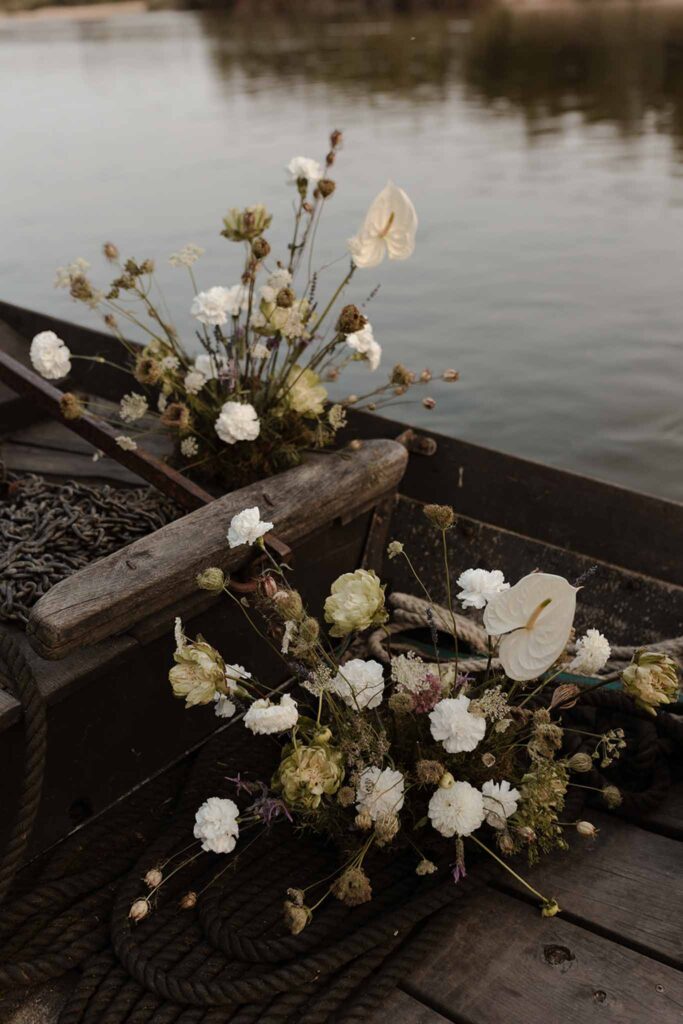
[506, 963]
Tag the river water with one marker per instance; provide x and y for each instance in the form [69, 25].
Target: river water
[543, 150]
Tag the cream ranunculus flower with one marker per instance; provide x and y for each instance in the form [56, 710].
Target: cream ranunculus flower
[388, 229]
[303, 392]
[534, 619]
[199, 670]
[309, 772]
[651, 679]
[356, 602]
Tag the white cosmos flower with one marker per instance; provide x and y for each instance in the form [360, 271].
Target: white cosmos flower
[500, 801]
[388, 229]
[379, 791]
[238, 421]
[263, 717]
[364, 343]
[456, 811]
[304, 167]
[452, 724]
[360, 683]
[246, 527]
[216, 825]
[50, 356]
[211, 367]
[479, 586]
[534, 619]
[592, 653]
[215, 305]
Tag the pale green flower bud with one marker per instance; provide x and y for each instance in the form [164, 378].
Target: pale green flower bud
[651, 679]
[356, 602]
[198, 673]
[308, 773]
[212, 579]
[581, 762]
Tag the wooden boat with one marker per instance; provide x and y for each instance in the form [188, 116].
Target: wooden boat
[618, 949]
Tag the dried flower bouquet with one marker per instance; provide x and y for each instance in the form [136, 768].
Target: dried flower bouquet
[418, 755]
[254, 399]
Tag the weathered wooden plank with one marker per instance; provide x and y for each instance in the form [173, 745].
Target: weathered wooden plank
[159, 570]
[53, 434]
[628, 883]
[59, 465]
[597, 519]
[401, 1008]
[504, 962]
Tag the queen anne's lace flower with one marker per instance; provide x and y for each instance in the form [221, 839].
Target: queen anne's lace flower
[189, 447]
[592, 653]
[303, 167]
[264, 717]
[379, 791]
[457, 811]
[50, 356]
[186, 256]
[360, 683]
[194, 382]
[454, 726]
[246, 527]
[125, 443]
[479, 586]
[238, 421]
[388, 229]
[500, 801]
[364, 343]
[216, 825]
[133, 407]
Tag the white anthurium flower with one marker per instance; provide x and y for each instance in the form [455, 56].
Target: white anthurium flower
[363, 342]
[534, 619]
[388, 229]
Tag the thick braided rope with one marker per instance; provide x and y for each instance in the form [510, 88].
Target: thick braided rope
[22, 683]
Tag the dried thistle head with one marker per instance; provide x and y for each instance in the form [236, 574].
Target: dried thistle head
[326, 187]
[441, 516]
[352, 887]
[71, 406]
[429, 772]
[401, 376]
[350, 320]
[296, 917]
[147, 370]
[177, 416]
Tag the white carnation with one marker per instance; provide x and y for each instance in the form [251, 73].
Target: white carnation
[304, 167]
[479, 586]
[194, 382]
[364, 343]
[223, 707]
[360, 683]
[246, 527]
[263, 717]
[234, 674]
[456, 811]
[216, 825]
[238, 421]
[211, 367]
[379, 791]
[500, 801]
[454, 726]
[592, 653]
[133, 407]
[215, 305]
[50, 356]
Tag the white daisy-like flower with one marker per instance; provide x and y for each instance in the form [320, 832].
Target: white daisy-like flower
[303, 167]
[189, 447]
[452, 724]
[534, 619]
[194, 382]
[216, 825]
[456, 811]
[211, 367]
[170, 363]
[379, 791]
[389, 229]
[592, 653]
[264, 717]
[50, 356]
[223, 707]
[133, 407]
[479, 586]
[186, 256]
[213, 307]
[238, 421]
[125, 443]
[364, 343]
[360, 683]
[246, 527]
[500, 801]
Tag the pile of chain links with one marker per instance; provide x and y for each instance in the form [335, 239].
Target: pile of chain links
[49, 530]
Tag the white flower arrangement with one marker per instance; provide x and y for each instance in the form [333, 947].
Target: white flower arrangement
[256, 397]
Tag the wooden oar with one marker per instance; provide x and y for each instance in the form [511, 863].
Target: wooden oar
[41, 393]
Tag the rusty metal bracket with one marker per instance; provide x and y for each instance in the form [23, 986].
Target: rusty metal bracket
[256, 568]
[417, 444]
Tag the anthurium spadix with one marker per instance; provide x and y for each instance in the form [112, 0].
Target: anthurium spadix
[388, 229]
[534, 619]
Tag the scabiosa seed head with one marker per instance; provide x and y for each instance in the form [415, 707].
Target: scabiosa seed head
[401, 376]
[351, 320]
[71, 406]
[211, 579]
[425, 867]
[326, 187]
[285, 298]
[110, 251]
[586, 829]
[289, 605]
[401, 703]
[352, 888]
[441, 516]
[139, 910]
[581, 762]
[429, 772]
[346, 796]
[153, 878]
[612, 797]
[296, 917]
[188, 901]
[260, 248]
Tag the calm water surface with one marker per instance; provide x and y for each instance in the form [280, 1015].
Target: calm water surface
[543, 150]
